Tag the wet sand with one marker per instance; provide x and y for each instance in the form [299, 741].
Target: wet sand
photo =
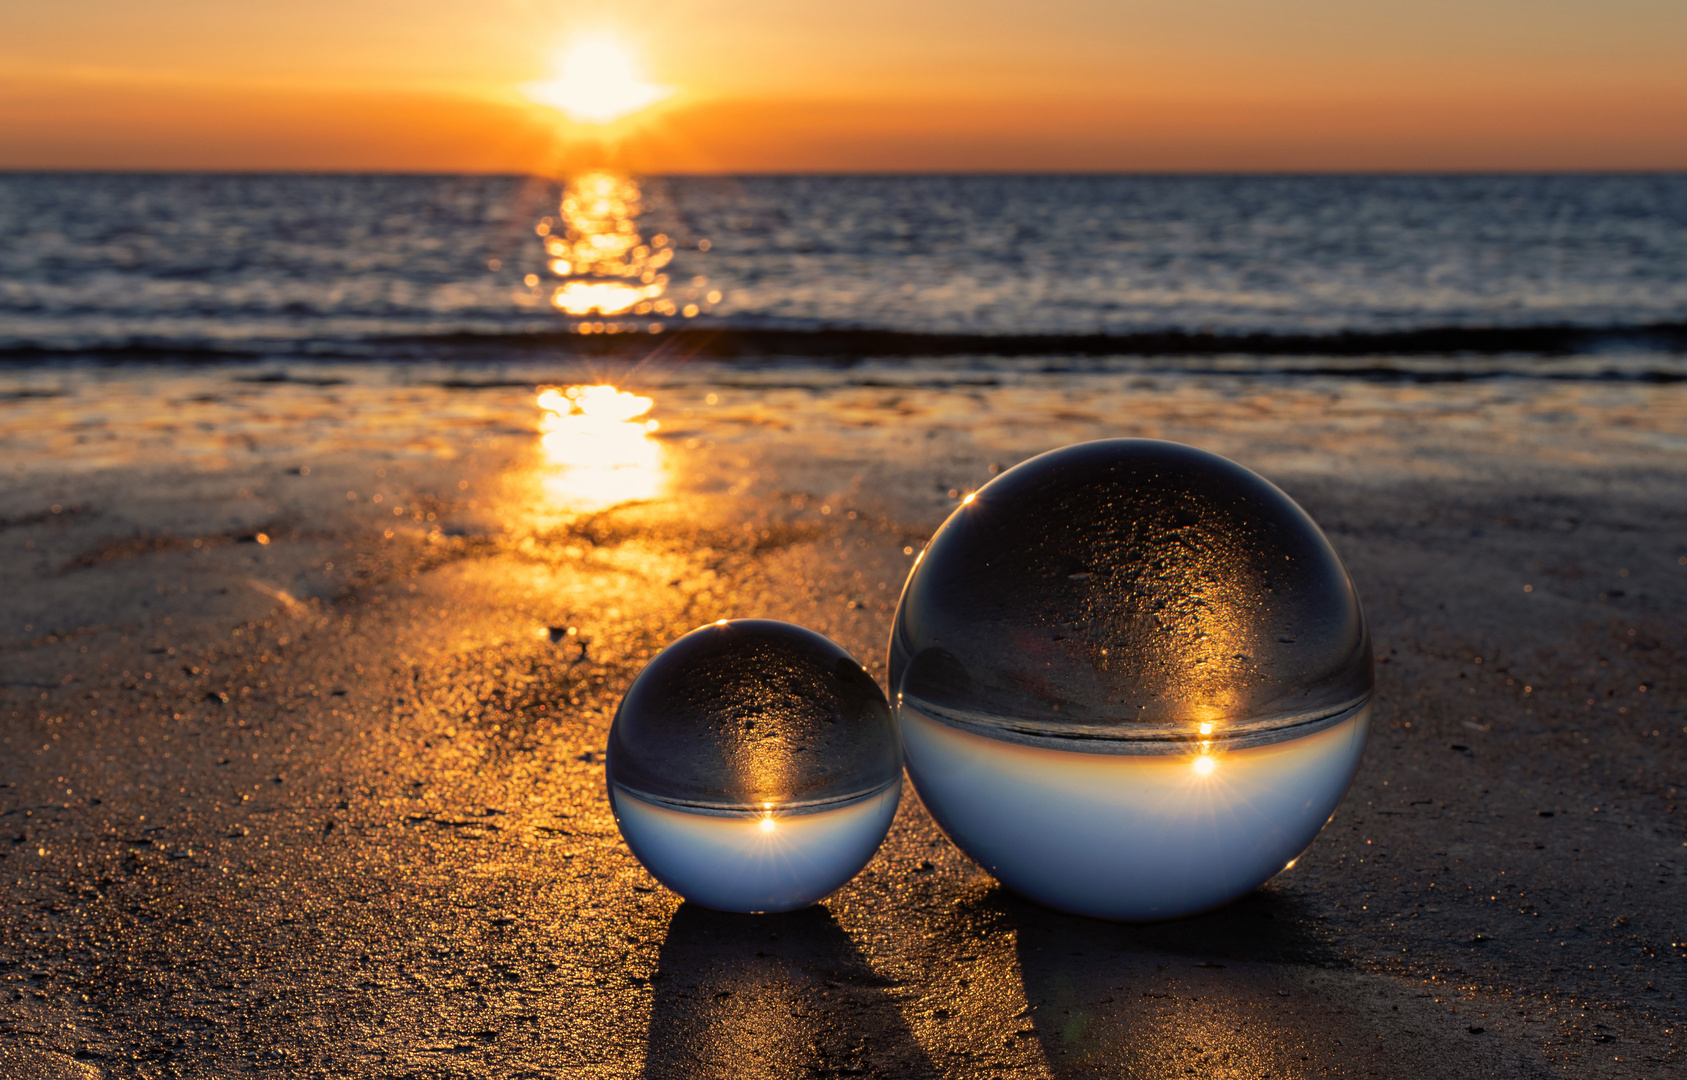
[298, 783]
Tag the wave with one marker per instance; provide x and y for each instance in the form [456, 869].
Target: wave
[1646, 352]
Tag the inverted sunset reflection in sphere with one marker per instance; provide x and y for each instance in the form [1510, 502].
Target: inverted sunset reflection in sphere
[1133, 679]
[753, 766]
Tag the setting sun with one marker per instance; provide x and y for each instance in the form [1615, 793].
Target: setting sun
[596, 84]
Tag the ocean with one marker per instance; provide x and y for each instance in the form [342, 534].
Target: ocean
[1579, 274]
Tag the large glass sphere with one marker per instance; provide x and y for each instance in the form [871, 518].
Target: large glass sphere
[1133, 679]
[753, 766]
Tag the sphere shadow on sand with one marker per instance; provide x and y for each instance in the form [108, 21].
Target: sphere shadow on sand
[753, 996]
[1242, 991]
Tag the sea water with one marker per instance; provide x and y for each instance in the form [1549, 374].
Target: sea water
[753, 766]
[396, 267]
[1133, 678]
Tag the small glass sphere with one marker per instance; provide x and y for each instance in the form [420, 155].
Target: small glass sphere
[1133, 679]
[754, 766]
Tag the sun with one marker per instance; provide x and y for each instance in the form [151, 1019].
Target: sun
[596, 83]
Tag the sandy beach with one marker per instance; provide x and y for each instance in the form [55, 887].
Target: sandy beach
[307, 672]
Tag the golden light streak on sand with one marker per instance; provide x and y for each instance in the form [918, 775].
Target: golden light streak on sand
[286, 599]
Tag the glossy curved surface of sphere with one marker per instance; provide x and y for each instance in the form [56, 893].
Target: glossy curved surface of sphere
[1133, 679]
[1130, 589]
[753, 766]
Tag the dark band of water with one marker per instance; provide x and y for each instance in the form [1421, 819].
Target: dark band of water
[1498, 351]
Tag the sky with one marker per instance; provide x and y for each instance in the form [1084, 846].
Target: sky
[866, 86]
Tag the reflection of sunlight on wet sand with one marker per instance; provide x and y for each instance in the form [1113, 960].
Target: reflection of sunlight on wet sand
[601, 453]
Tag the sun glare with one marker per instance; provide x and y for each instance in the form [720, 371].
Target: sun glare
[596, 83]
[602, 452]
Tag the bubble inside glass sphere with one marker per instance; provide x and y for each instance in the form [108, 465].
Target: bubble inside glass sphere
[1133, 679]
[754, 766]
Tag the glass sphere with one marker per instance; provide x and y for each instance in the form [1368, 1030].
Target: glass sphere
[1133, 679]
[753, 766]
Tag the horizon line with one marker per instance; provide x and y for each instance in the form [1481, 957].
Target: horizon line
[1613, 171]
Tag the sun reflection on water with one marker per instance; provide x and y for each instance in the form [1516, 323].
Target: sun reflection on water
[594, 246]
[602, 453]
[608, 268]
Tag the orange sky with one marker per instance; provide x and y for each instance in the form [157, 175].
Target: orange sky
[873, 85]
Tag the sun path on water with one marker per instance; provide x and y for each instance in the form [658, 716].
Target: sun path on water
[596, 83]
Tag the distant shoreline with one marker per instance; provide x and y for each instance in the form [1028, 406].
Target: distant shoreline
[869, 174]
